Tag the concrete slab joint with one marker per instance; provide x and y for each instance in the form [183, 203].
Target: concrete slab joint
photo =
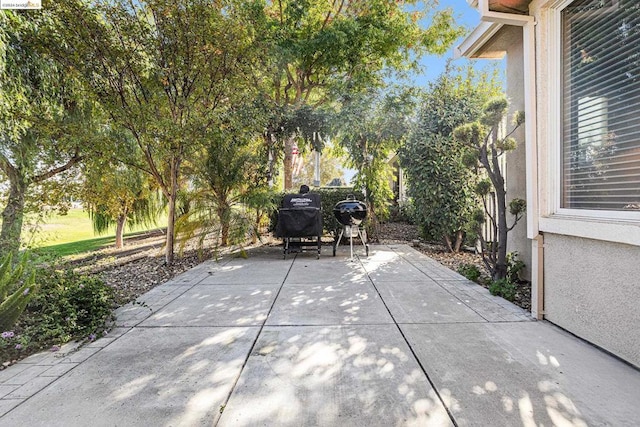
[390, 339]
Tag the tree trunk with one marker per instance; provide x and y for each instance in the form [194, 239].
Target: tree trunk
[459, 239]
[13, 215]
[269, 140]
[500, 271]
[224, 235]
[171, 214]
[289, 143]
[224, 218]
[447, 242]
[254, 235]
[122, 219]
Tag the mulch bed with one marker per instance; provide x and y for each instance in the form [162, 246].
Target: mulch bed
[398, 232]
[140, 266]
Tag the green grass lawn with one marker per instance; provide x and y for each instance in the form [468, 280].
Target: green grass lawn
[72, 234]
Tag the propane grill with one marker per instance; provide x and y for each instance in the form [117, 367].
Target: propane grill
[350, 213]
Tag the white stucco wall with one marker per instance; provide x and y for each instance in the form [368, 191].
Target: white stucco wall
[515, 164]
[589, 266]
[508, 41]
[592, 288]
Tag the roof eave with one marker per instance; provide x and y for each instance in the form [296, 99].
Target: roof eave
[471, 46]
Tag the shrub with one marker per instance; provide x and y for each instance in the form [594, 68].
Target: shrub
[481, 137]
[404, 212]
[71, 306]
[514, 267]
[15, 289]
[506, 288]
[67, 307]
[469, 271]
[503, 288]
[329, 197]
[436, 164]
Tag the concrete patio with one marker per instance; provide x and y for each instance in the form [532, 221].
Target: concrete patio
[393, 339]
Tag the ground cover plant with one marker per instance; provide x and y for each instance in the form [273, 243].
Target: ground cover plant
[65, 307]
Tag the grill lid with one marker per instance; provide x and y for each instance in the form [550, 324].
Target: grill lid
[350, 211]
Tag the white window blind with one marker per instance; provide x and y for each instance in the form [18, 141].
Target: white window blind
[601, 105]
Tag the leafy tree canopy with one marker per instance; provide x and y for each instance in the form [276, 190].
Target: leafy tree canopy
[440, 183]
[47, 123]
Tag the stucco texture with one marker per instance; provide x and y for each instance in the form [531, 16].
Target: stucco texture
[592, 289]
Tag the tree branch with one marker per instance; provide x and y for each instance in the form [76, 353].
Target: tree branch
[6, 166]
[518, 217]
[44, 176]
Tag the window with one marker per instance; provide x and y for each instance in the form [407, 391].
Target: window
[601, 105]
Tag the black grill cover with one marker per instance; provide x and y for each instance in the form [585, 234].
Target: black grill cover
[300, 216]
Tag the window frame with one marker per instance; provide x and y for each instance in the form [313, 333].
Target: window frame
[615, 226]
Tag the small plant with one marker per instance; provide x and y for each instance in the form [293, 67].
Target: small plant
[469, 271]
[506, 288]
[403, 212]
[514, 267]
[503, 288]
[15, 289]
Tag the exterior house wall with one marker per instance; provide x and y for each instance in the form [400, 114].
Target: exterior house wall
[587, 270]
[508, 42]
[515, 163]
[592, 289]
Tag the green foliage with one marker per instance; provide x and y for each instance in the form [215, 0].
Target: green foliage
[471, 134]
[329, 198]
[485, 141]
[67, 307]
[478, 217]
[469, 271]
[47, 124]
[371, 127]
[483, 187]
[518, 118]
[507, 144]
[437, 166]
[514, 267]
[17, 287]
[517, 207]
[231, 184]
[494, 111]
[469, 159]
[331, 168]
[115, 194]
[320, 48]
[403, 212]
[319, 51]
[507, 286]
[163, 71]
[503, 288]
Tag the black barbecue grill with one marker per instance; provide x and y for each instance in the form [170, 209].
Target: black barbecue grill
[300, 222]
[350, 213]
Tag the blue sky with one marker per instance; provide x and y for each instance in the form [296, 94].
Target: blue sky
[433, 66]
